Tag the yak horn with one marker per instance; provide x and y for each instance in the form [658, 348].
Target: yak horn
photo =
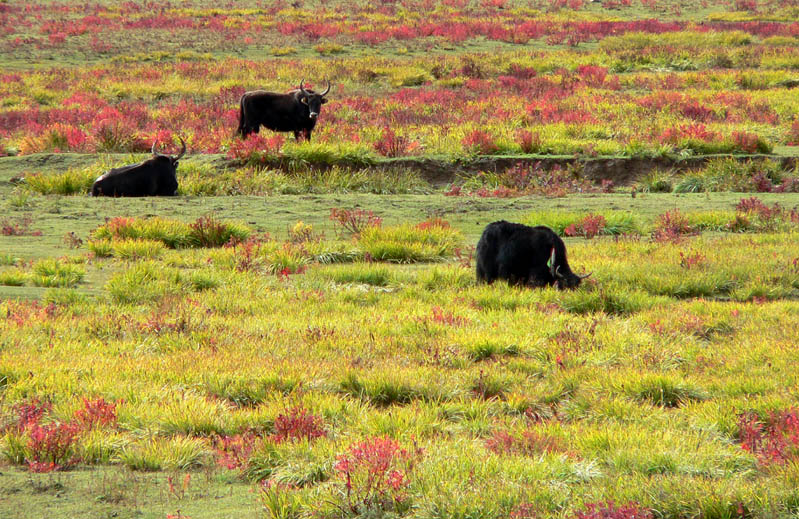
[183, 150]
[583, 277]
[552, 263]
[558, 274]
[327, 89]
[152, 150]
[302, 89]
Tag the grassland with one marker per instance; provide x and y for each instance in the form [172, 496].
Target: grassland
[299, 333]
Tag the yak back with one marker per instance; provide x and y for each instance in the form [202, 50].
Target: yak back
[153, 177]
[519, 254]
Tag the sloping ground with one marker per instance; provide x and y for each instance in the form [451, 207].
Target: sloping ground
[436, 170]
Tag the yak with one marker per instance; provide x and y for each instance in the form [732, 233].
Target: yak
[295, 111]
[153, 177]
[524, 255]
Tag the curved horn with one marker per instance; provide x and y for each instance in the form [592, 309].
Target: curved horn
[182, 151]
[558, 274]
[152, 150]
[323, 94]
[552, 263]
[583, 277]
[302, 88]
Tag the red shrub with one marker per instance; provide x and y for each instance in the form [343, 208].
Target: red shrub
[30, 413]
[671, 226]
[392, 145]
[17, 227]
[590, 226]
[96, 413]
[591, 74]
[530, 443]
[52, 446]
[774, 440]
[689, 261]
[746, 142]
[375, 474]
[233, 452]
[609, 510]
[298, 424]
[480, 142]
[436, 222]
[256, 149]
[448, 318]
[530, 142]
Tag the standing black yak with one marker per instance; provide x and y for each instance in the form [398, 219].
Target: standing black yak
[293, 112]
[523, 255]
[155, 176]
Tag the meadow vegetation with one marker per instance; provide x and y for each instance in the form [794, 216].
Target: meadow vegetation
[299, 332]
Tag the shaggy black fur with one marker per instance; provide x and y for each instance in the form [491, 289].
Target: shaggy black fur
[519, 254]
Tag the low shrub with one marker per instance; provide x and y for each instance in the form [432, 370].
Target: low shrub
[408, 244]
[72, 181]
[773, 440]
[56, 273]
[175, 453]
[374, 475]
[145, 282]
[134, 249]
[206, 231]
[671, 226]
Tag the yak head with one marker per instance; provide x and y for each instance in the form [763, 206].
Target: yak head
[312, 99]
[173, 161]
[566, 278]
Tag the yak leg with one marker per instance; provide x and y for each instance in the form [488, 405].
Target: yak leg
[307, 135]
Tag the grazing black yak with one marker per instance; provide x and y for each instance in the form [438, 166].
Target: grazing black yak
[293, 112]
[155, 176]
[523, 255]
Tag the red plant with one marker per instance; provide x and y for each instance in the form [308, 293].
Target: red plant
[256, 149]
[530, 142]
[480, 142]
[766, 217]
[96, 413]
[178, 493]
[17, 227]
[298, 424]
[671, 226]
[433, 223]
[392, 145]
[30, 413]
[690, 261]
[247, 253]
[609, 510]
[747, 142]
[464, 256]
[454, 190]
[52, 446]
[354, 220]
[590, 226]
[698, 132]
[773, 440]
[530, 443]
[524, 511]
[375, 474]
[233, 452]
[448, 318]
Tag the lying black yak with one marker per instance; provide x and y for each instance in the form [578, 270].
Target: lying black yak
[523, 255]
[155, 176]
